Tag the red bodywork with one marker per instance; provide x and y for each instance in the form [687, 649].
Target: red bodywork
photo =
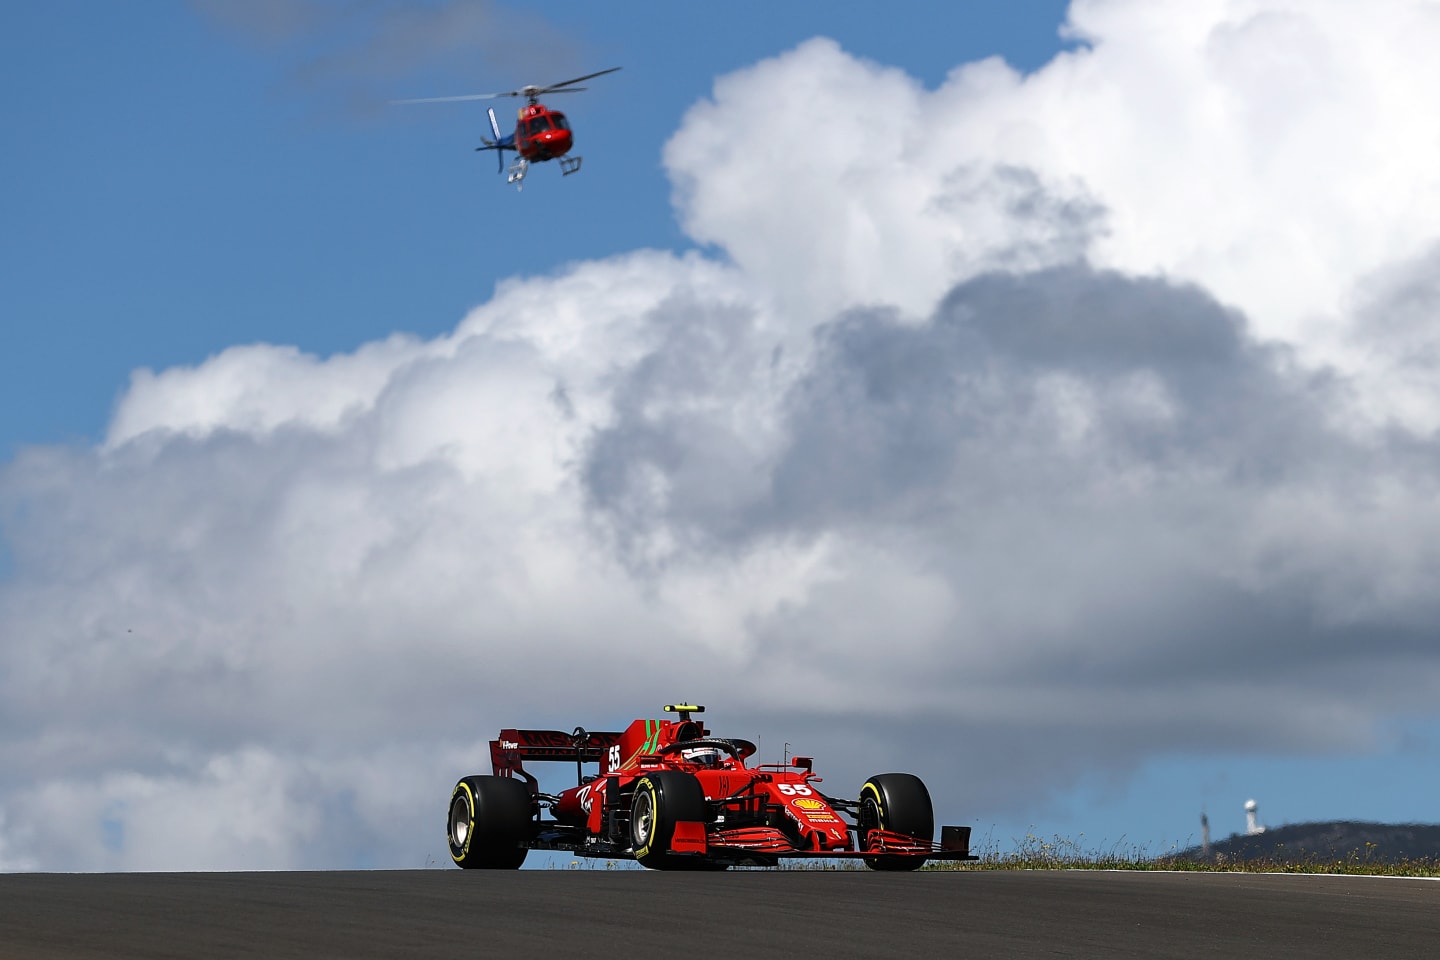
[542, 133]
[753, 814]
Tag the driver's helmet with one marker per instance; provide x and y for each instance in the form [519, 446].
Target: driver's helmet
[703, 756]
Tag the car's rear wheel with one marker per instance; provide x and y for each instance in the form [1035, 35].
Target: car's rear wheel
[490, 817]
[663, 799]
[896, 803]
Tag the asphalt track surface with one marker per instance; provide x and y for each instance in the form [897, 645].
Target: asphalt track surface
[739, 914]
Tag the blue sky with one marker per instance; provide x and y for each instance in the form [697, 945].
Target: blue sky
[1058, 428]
[177, 187]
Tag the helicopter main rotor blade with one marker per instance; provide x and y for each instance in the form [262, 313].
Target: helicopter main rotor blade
[566, 83]
[468, 96]
[529, 92]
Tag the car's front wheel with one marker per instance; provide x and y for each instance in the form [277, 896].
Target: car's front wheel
[895, 803]
[663, 799]
[490, 817]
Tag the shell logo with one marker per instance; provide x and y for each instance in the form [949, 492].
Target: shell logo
[805, 803]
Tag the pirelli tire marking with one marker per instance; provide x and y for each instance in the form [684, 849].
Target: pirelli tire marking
[462, 829]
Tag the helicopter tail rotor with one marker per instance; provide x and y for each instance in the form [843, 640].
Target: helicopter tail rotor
[499, 154]
[499, 144]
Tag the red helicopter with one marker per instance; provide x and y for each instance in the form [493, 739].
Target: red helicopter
[540, 133]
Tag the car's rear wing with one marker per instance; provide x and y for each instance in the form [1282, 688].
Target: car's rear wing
[509, 753]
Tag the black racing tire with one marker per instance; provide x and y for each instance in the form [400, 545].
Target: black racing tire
[488, 820]
[898, 802]
[661, 800]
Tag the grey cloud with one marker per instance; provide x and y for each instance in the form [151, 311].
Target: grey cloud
[676, 423]
[360, 49]
[1194, 533]
[964, 399]
[270, 21]
[1044, 223]
[1398, 315]
[893, 417]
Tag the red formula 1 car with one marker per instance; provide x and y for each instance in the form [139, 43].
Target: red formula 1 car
[671, 796]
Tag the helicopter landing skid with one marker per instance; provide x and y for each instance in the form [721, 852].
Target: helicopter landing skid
[516, 173]
[569, 165]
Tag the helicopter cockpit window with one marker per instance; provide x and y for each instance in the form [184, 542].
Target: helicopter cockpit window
[560, 122]
[537, 125]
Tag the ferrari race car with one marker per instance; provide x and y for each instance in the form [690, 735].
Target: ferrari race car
[673, 797]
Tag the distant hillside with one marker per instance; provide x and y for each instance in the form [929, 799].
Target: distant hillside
[1335, 840]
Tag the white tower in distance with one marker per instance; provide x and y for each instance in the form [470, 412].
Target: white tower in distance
[1252, 825]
